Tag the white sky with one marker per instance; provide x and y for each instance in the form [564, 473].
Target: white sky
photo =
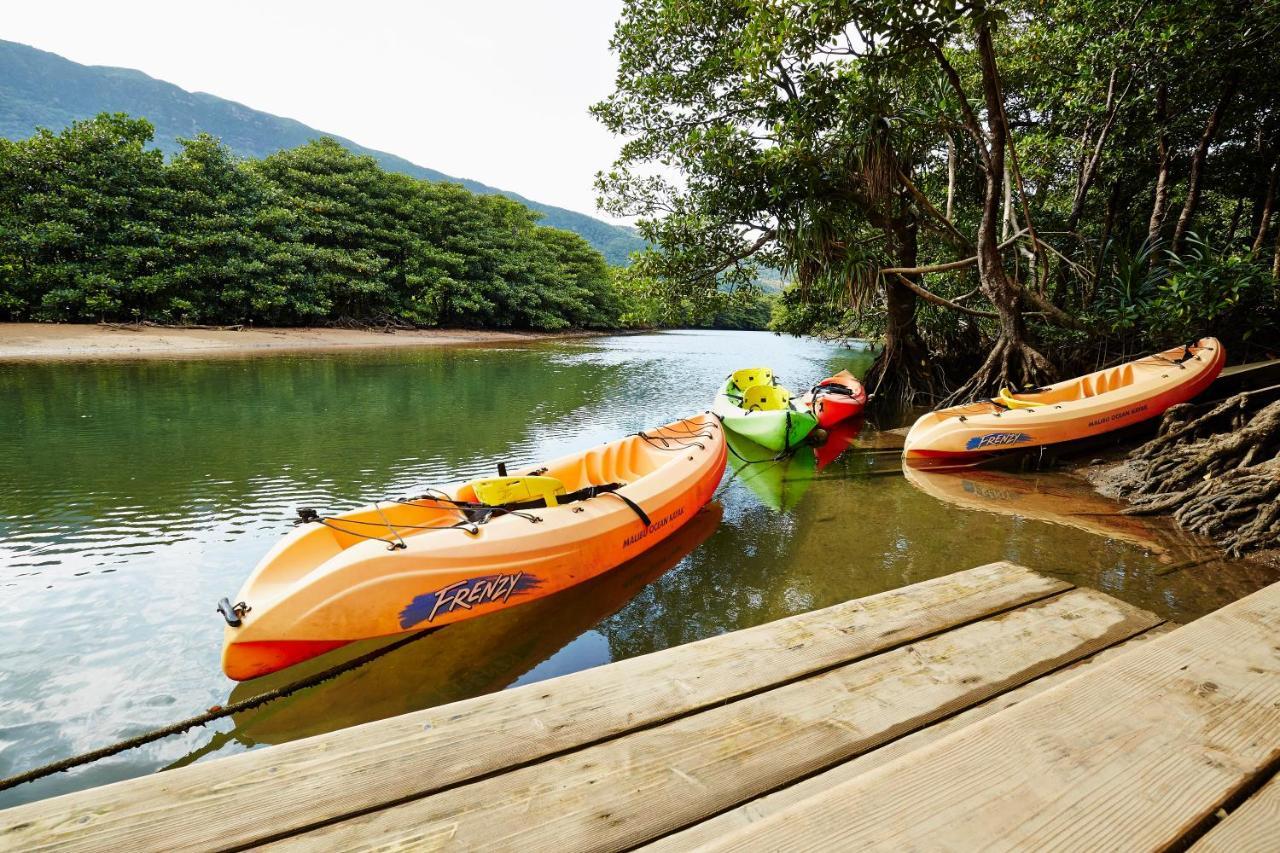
[492, 90]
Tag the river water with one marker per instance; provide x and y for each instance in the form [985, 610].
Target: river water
[134, 495]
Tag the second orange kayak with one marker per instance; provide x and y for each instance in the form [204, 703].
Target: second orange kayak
[1073, 409]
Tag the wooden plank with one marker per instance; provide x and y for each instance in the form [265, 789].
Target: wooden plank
[758, 809]
[1143, 748]
[1254, 827]
[239, 800]
[631, 789]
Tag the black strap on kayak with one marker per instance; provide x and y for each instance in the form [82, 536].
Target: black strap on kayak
[567, 498]
[482, 513]
[1187, 354]
[635, 507]
[831, 388]
[478, 513]
[396, 544]
[681, 440]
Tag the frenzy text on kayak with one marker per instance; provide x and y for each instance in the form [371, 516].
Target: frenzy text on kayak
[466, 594]
[657, 525]
[996, 439]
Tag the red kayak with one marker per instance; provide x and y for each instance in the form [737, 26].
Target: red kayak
[835, 398]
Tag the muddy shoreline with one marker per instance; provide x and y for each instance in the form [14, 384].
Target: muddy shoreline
[45, 342]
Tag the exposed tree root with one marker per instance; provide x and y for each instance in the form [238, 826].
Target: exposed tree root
[384, 323]
[1011, 364]
[1218, 472]
[903, 374]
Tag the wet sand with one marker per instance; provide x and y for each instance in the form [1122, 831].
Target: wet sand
[77, 342]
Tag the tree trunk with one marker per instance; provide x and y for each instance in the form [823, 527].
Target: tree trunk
[1235, 221]
[1012, 361]
[1108, 223]
[1160, 207]
[1275, 264]
[1007, 225]
[1268, 203]
[1089, 167]
[904, 371]
[951, 174]
[1197, 167]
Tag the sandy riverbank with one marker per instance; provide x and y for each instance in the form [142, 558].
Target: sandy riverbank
[75, 342]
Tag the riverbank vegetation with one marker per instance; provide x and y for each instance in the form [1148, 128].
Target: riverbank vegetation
[96, 225]
[1003, 192]
[647, 307]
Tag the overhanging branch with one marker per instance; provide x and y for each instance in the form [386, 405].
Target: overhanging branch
[938, 300]
[934, 212]
[950, 265]
[759, 244]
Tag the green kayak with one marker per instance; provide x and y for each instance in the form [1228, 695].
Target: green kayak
[753, 406]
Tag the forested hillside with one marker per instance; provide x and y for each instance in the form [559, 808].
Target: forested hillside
[41, 89]
[97, 224]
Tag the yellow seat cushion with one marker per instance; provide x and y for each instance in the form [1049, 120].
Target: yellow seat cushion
[1006, 399]
[766, 398]
[497, 491]
[751, 376]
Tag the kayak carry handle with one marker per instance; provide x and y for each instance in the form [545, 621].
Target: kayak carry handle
[233, 613]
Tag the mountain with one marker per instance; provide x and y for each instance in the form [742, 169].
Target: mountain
[42, 89]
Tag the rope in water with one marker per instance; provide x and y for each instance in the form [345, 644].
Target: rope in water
[215, 713]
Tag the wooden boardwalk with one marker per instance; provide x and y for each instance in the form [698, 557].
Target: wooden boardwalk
[990, 708]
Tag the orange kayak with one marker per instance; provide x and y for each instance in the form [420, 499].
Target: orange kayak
[468, 550]
[1073, 409]
[835, 398]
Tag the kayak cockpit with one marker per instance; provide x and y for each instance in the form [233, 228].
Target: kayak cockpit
[395, 522]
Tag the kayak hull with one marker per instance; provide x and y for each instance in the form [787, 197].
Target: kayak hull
[473, 657]
[831, 408]
[325, 585]
[1083, 407]
[779, 430]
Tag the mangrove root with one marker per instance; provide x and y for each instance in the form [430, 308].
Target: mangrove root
[1218, 472]
[903, 374]
[1010, 364]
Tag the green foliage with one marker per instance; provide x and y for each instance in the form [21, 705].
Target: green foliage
[649, 305]
[1227, 294]
[746, 310]
[95, 225]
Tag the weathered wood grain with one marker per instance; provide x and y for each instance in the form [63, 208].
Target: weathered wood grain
[758, 809]
[1254, 827]
[242, 799]
[631, 789]
[1137, 752]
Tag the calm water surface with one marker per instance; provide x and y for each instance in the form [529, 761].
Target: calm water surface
[134, 495]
